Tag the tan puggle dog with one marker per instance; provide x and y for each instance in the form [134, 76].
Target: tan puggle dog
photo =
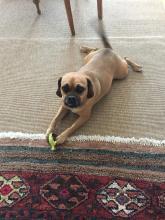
[81, 90]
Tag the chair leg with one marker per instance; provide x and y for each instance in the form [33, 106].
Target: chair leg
[36, 2]
[100, 9]
[69, 16]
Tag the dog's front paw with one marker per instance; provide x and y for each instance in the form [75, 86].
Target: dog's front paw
[61, 138]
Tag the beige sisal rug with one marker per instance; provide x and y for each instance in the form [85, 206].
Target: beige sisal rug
[29, 73]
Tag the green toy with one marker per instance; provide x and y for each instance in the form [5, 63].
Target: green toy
[52, 142]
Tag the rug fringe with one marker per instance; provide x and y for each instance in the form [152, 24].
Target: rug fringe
[86, 138]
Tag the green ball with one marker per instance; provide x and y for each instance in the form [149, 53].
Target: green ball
[52, 142]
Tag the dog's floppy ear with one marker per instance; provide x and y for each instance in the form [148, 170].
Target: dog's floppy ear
[90, 93]
[58, 92]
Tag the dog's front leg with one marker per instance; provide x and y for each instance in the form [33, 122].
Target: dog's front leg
[59, 116]
[78, 123]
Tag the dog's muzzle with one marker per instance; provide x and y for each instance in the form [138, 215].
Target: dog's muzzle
[72, 101]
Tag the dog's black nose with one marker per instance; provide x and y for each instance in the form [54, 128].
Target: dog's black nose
[72, 101]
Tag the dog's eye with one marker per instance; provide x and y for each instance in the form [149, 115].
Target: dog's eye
[66, 88]
[79, 89]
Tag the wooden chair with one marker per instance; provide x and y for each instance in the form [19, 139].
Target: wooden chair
[69, 12]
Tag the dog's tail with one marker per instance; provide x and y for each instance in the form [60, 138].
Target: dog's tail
[102, 34]
[105, 40]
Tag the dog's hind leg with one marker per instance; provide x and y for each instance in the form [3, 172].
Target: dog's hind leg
[123, 68]
[87, 50]
[122, 71]
[136, 67]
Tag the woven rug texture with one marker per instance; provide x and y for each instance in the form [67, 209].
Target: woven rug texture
[114, 166]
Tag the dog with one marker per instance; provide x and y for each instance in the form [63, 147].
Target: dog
[81, 90]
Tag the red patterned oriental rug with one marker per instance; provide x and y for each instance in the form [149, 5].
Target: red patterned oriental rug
[88, 178]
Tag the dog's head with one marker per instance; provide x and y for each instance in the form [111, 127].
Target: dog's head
[74, 89]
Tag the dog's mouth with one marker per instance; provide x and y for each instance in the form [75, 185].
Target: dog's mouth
[72, 101]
